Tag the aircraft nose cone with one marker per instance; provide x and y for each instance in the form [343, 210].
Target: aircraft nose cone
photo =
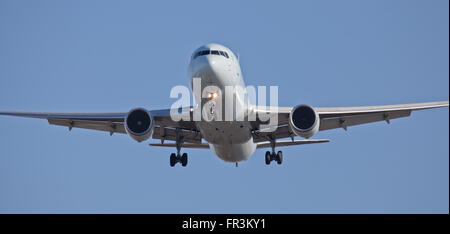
[211, 61]
[207, 66]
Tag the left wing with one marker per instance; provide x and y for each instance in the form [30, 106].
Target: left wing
[343, 117]
[340, 117]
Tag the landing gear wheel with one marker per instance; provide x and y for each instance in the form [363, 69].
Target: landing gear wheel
[173, 159]
[268, 159]
[279, 157]
[184, 159]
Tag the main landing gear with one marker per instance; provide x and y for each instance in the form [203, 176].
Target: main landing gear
[175, 158]
[272, 156]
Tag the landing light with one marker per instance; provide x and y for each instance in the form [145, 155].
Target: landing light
[213, 95]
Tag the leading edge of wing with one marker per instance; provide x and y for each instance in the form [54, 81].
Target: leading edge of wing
[119, 116]
[355, 109]
[115, 116]
[330, 111]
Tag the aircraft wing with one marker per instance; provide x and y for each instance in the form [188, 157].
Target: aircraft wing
[166, 128]
[112, 122]
[341, 117]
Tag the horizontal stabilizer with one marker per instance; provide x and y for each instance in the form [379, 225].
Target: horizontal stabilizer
[266, 144]
[189, 145]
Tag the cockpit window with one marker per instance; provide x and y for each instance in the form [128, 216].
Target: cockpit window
[214, 52]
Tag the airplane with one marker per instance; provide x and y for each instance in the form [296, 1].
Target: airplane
[235, 140]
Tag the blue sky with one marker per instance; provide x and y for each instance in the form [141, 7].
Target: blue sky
[116, 55]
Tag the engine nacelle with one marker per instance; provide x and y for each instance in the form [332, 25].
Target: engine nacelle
[139, 124]
[304, 121]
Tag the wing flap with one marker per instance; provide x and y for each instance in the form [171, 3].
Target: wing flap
[107, 126]
[281, 132]
[171, 134]
[352, 120]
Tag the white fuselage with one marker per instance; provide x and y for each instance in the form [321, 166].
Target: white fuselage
[231, 140]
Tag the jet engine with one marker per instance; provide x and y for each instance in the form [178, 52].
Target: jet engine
[139, 124]
[304, 121]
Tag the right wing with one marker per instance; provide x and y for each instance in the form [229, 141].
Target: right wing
[107, 121]
[112, 122]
